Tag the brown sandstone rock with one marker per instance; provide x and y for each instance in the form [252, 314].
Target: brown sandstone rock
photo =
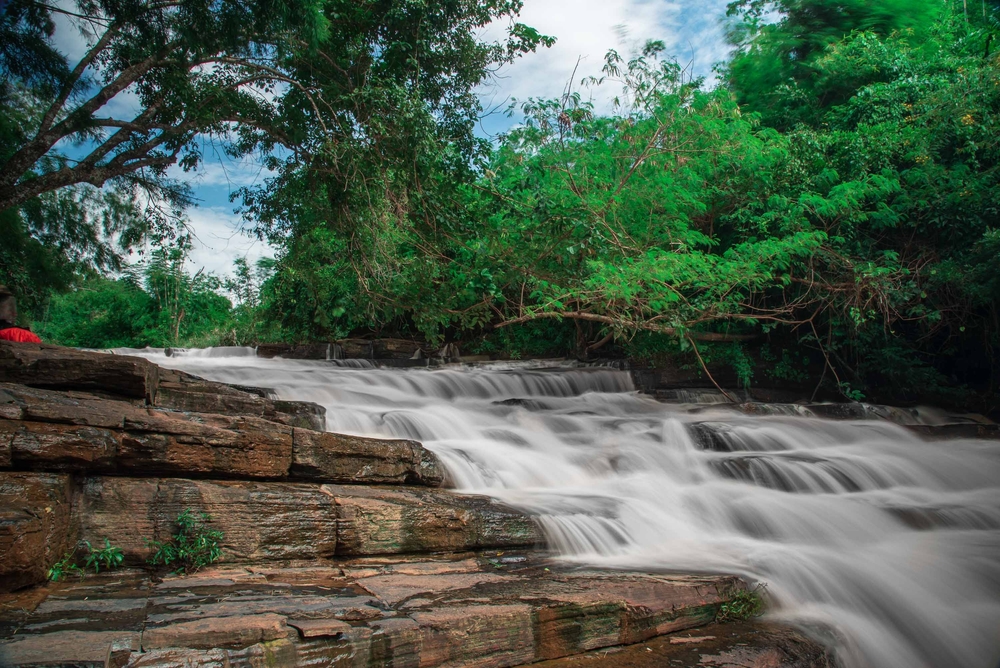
[73, 431]
[258, 520]
[345, 459]
[217, 632]
[486, 636]
[34, 526]
[266, 521]
[7, 431]
[80, 432]
[320, 628]
[242, 447]
[184, 392]
[495, 610]
[55, 367]
[385, 520]
[19, 402]
[58, 447]
[67, 648]
[740, 645]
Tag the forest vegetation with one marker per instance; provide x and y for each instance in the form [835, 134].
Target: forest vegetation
[825, 213]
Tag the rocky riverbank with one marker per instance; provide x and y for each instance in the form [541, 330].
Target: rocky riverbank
[337, 550]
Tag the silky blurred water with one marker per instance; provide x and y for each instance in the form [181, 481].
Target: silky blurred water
[887, 544]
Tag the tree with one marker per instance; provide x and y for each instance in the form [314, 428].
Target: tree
[191, 67]
[384, 157]
[772, 70]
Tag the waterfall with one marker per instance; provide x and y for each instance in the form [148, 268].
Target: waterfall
[883, 543]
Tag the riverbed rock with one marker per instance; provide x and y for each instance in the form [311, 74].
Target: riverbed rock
[218, 632]
[183, 392]
[741, 645]
[35, 527]
[260, 521]
[56, 367]
[488, 609]
[274, 521]
[345, 459]
[387, 520]
[80, 432]
[74, 431]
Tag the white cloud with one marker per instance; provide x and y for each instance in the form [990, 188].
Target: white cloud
[219, 240]
[586, 29]
[222, 174]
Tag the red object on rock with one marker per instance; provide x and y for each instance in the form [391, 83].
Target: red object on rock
[19, 335]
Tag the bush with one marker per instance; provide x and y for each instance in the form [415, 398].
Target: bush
[193, 547]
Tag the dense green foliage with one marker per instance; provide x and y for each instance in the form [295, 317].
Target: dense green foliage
[325, 92]
[827, 216]
[155, 303]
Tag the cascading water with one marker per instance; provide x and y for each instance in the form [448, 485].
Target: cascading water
[886, 543]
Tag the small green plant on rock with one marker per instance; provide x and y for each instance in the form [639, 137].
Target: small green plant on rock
[193, 547]
[64, 567]
[108, 557]
[744, 605]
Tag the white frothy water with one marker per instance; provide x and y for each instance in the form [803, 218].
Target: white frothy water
[887, 543]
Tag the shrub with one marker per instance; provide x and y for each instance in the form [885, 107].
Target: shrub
[193, 547]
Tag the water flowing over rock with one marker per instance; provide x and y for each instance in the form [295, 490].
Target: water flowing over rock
[341, 549]
[860, 525]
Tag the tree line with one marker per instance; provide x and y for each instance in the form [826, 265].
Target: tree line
[825, 214]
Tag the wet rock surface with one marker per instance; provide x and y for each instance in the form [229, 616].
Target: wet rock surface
[44, 366]
[346, 459]
[742, 645]
[482, 609]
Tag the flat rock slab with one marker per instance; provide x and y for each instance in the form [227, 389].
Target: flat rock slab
[744, 645]
[136, 378]
[41, 365]
[489, 609]
[47, 430]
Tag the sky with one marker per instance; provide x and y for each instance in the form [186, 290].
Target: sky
[584, 29]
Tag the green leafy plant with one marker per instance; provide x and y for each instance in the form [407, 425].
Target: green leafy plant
[745, 604]
[63, 568]
[193, 547]
[109, 557]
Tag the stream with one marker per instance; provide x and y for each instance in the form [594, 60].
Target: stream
[869, 537]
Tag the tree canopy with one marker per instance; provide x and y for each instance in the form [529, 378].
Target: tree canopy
[827, 214]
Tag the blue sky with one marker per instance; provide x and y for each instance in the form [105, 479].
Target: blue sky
[584, 29]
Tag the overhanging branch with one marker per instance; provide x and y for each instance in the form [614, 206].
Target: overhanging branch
[627, 324]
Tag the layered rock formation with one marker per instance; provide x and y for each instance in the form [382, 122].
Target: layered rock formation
[322, 537]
